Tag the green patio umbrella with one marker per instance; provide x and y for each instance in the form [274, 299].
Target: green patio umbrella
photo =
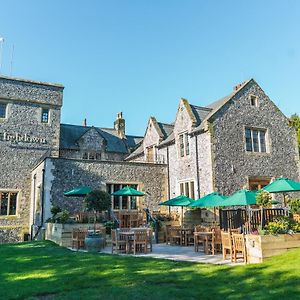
[242, 197]
[128, 191]
[81, 191]
[283, 185]
[182, 201]
[210, 200]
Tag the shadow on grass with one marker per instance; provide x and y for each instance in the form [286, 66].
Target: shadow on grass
[42, 268]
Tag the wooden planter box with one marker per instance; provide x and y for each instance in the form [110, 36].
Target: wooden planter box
[260, 247]
[61, 234]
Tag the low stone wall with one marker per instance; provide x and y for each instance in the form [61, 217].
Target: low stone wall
[61, 234]
[260, 247]
[13, 234]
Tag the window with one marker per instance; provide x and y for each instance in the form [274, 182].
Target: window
[3, 110]
[8, 203]
[45, 115]
[257, 183]
[122, 202]
[184, 144]
[253, 100]
[188, 189]
[150, 154]
[255, 140]
[91, 155]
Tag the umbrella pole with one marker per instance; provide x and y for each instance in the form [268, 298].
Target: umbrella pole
[181, 215]
[284, 199]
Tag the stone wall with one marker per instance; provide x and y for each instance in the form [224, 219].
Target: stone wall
[68, 173]
[25, 141]
[232, 165]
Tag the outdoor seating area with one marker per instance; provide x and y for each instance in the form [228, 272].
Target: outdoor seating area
[131, 240]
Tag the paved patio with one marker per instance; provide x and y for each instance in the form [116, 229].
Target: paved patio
[180, 253]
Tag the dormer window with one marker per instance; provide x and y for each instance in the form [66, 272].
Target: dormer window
[253, 100]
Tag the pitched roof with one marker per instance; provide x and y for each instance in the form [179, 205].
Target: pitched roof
[166, 129]
[137, 152]
[217, 105]
[69, 135]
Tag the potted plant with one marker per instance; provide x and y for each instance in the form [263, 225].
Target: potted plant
[96, 201]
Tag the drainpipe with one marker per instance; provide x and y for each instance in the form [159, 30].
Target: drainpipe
[42, 197]
[33, 206]
[168, 170]
[197, 165]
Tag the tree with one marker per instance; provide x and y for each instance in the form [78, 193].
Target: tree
[263, 199]
[97, 201]
[295, 122]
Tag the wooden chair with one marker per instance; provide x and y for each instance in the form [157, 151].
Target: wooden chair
[78, 237]
[140, 241]
[226, 245]
[189, 237]
[198, 239]
[217, 240]
[117, 242]
[239, 247]
[134, 220]
[175, 235]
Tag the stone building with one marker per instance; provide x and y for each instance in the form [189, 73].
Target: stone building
[242, 140]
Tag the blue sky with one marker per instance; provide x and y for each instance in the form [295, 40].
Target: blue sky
[141, 57]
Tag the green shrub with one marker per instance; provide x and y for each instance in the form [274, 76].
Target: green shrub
[282, 225]
[294, 205]
[264, 199]
[62, 217]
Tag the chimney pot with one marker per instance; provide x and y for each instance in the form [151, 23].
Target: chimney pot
[84, 122]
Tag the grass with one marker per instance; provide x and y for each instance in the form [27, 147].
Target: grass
[42, 270]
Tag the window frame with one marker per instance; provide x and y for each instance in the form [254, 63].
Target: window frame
[48, 115]
[256, 140]
[9, 192]
[110, 188]
[184, 144]
[190, 184]
[255, 98]
[6, 105]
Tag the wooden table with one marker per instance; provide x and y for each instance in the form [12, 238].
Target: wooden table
[206, 235]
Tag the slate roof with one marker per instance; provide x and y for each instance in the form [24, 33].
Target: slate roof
[70, 134]
[166, 129]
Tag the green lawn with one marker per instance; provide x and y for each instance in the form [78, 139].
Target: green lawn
[42, 270]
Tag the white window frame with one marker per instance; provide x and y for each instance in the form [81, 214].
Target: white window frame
[252, 129]
[49, 115]
[255, 99]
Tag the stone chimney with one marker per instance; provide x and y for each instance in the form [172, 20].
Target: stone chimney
[119, 125]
